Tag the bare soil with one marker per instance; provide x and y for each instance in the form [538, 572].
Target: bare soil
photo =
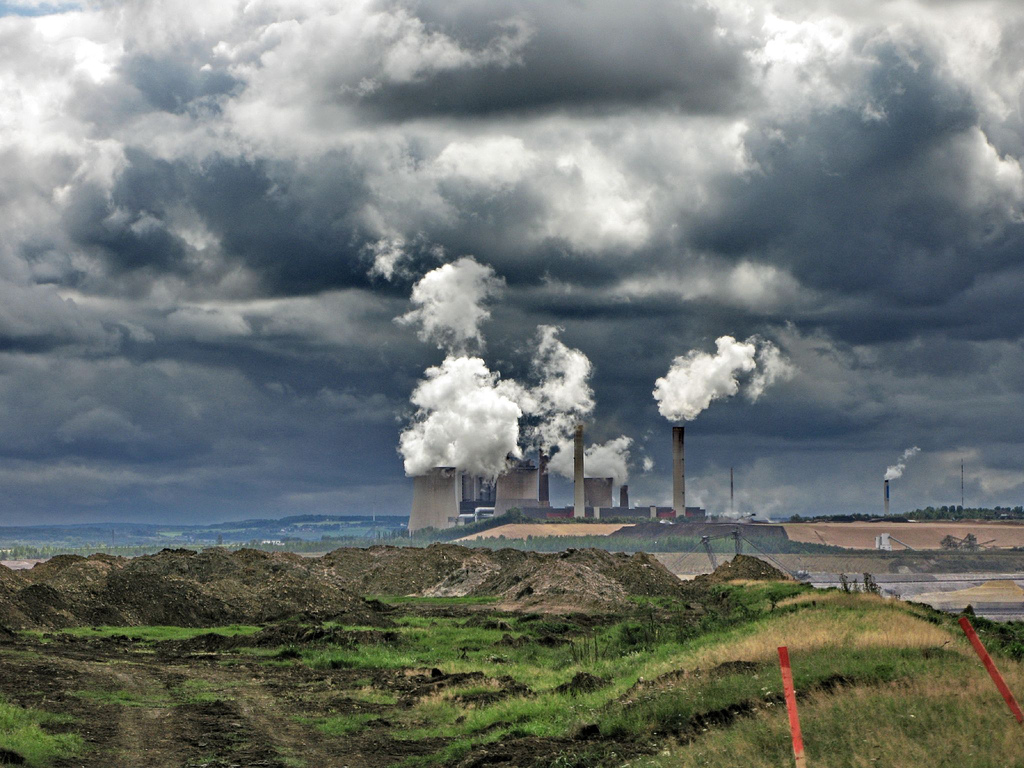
[743, 568]
[217, 587]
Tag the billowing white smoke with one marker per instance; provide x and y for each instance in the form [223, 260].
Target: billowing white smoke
[466, 418]
[696, 379]
[561, 400]
[450, 304]
[896, 470]
[610, 459]
[772, 366]
[563, 397]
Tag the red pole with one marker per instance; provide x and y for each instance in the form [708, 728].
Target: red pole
[965, 625]
[794, 719]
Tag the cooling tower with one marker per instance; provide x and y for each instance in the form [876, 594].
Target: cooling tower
[678, 472]
[435, 499]
[887, 497]
[517, 487]
[579, 498]
[597, 491]
[624, 496]
[543, 487]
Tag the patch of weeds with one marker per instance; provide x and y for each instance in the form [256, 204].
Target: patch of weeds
[368, 695]
[153, 634]
[195, 691]
[22, 734]
[338, 725]
[433, 601]
[124, 698]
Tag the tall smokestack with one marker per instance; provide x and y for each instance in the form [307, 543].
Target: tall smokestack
[543, 488]
[624, 496]
[732, 498]
[887, 497]
[579, 499]
[678, 472]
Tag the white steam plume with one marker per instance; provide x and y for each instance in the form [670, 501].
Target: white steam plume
[896, 470]
[772, 366]
[560, 401]
[466, 418]
[563, 397]
[450, 304]
[610, 459]
[696, 379]
[388, 254]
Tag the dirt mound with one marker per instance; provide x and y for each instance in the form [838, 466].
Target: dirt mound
[439, 570]
[570, 580]
[582, 682]
[746, 568]
[181, 588]
[215, 587]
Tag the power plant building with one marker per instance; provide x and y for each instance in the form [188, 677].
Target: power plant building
[435, 499]
[443, 494]
[597, 491]
[518, 487]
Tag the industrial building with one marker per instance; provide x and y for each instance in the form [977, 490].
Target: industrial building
[445, 497]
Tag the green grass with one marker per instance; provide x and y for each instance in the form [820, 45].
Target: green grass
[663, 669]
[339, 725]
[433, 601]
[123, 698]
[195, 691]
[154, 634]
[23, 732]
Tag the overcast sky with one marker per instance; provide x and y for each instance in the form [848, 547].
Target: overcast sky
[201, 204]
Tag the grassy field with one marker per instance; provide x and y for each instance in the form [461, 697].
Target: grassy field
[453, 682]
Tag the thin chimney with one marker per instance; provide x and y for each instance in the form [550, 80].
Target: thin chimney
[678, 472]
[579, 499]
[887, 496]
[543, 488]
[624, 496]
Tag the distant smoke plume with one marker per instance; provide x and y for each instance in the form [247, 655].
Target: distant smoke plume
[610, 459]
[466, 418]
[563, 397]
[648, 464]
[772, 366]
[450, 304]
[695, 380]
[388, 254]
[896, 470]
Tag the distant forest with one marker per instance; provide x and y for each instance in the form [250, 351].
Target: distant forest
[951, 512]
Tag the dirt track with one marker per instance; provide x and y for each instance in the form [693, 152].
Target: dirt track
[138, 711]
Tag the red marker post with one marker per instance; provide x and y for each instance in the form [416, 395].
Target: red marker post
[965, 625]
[794, 719]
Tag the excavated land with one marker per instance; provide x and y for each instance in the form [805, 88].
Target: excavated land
[743, 568]
[288, 661]
[218, 587]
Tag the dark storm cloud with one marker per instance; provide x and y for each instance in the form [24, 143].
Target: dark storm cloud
[189, 325]
[579, 56]
[293, 227]
[877, 203]
[172, 85]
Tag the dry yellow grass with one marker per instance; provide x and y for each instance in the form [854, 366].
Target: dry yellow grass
[927, 722]
[537, 530]
[889, 626]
